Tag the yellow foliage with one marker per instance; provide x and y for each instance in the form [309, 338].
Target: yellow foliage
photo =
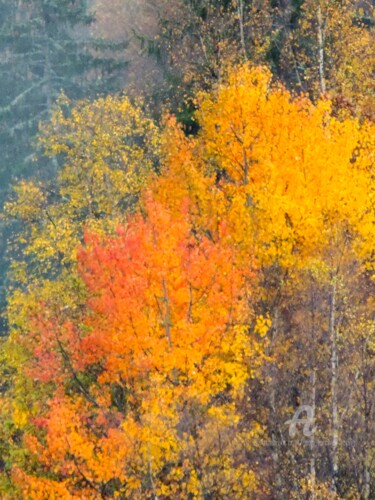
[290, 172]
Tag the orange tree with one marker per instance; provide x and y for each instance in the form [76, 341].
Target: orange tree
[143, 390]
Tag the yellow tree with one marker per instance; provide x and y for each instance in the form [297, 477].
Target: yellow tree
[108, 150]
[295, 187]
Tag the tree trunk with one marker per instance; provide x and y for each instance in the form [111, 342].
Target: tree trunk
[321, 37]
[334, 409]
[366, 458]
[275, 452]
[242, 30]
[312, 438]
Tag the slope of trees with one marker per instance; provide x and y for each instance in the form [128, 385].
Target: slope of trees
[311, 46]
[190, 279]
[224, 280]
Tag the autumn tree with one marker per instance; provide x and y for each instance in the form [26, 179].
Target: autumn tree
[146, 385]
[108, 149]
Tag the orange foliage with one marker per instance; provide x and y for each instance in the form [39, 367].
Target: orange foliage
[164, 337]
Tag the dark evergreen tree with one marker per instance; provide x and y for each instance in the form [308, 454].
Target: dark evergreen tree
[46, 47]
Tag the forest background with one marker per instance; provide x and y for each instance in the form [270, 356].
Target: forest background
[224, 150]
